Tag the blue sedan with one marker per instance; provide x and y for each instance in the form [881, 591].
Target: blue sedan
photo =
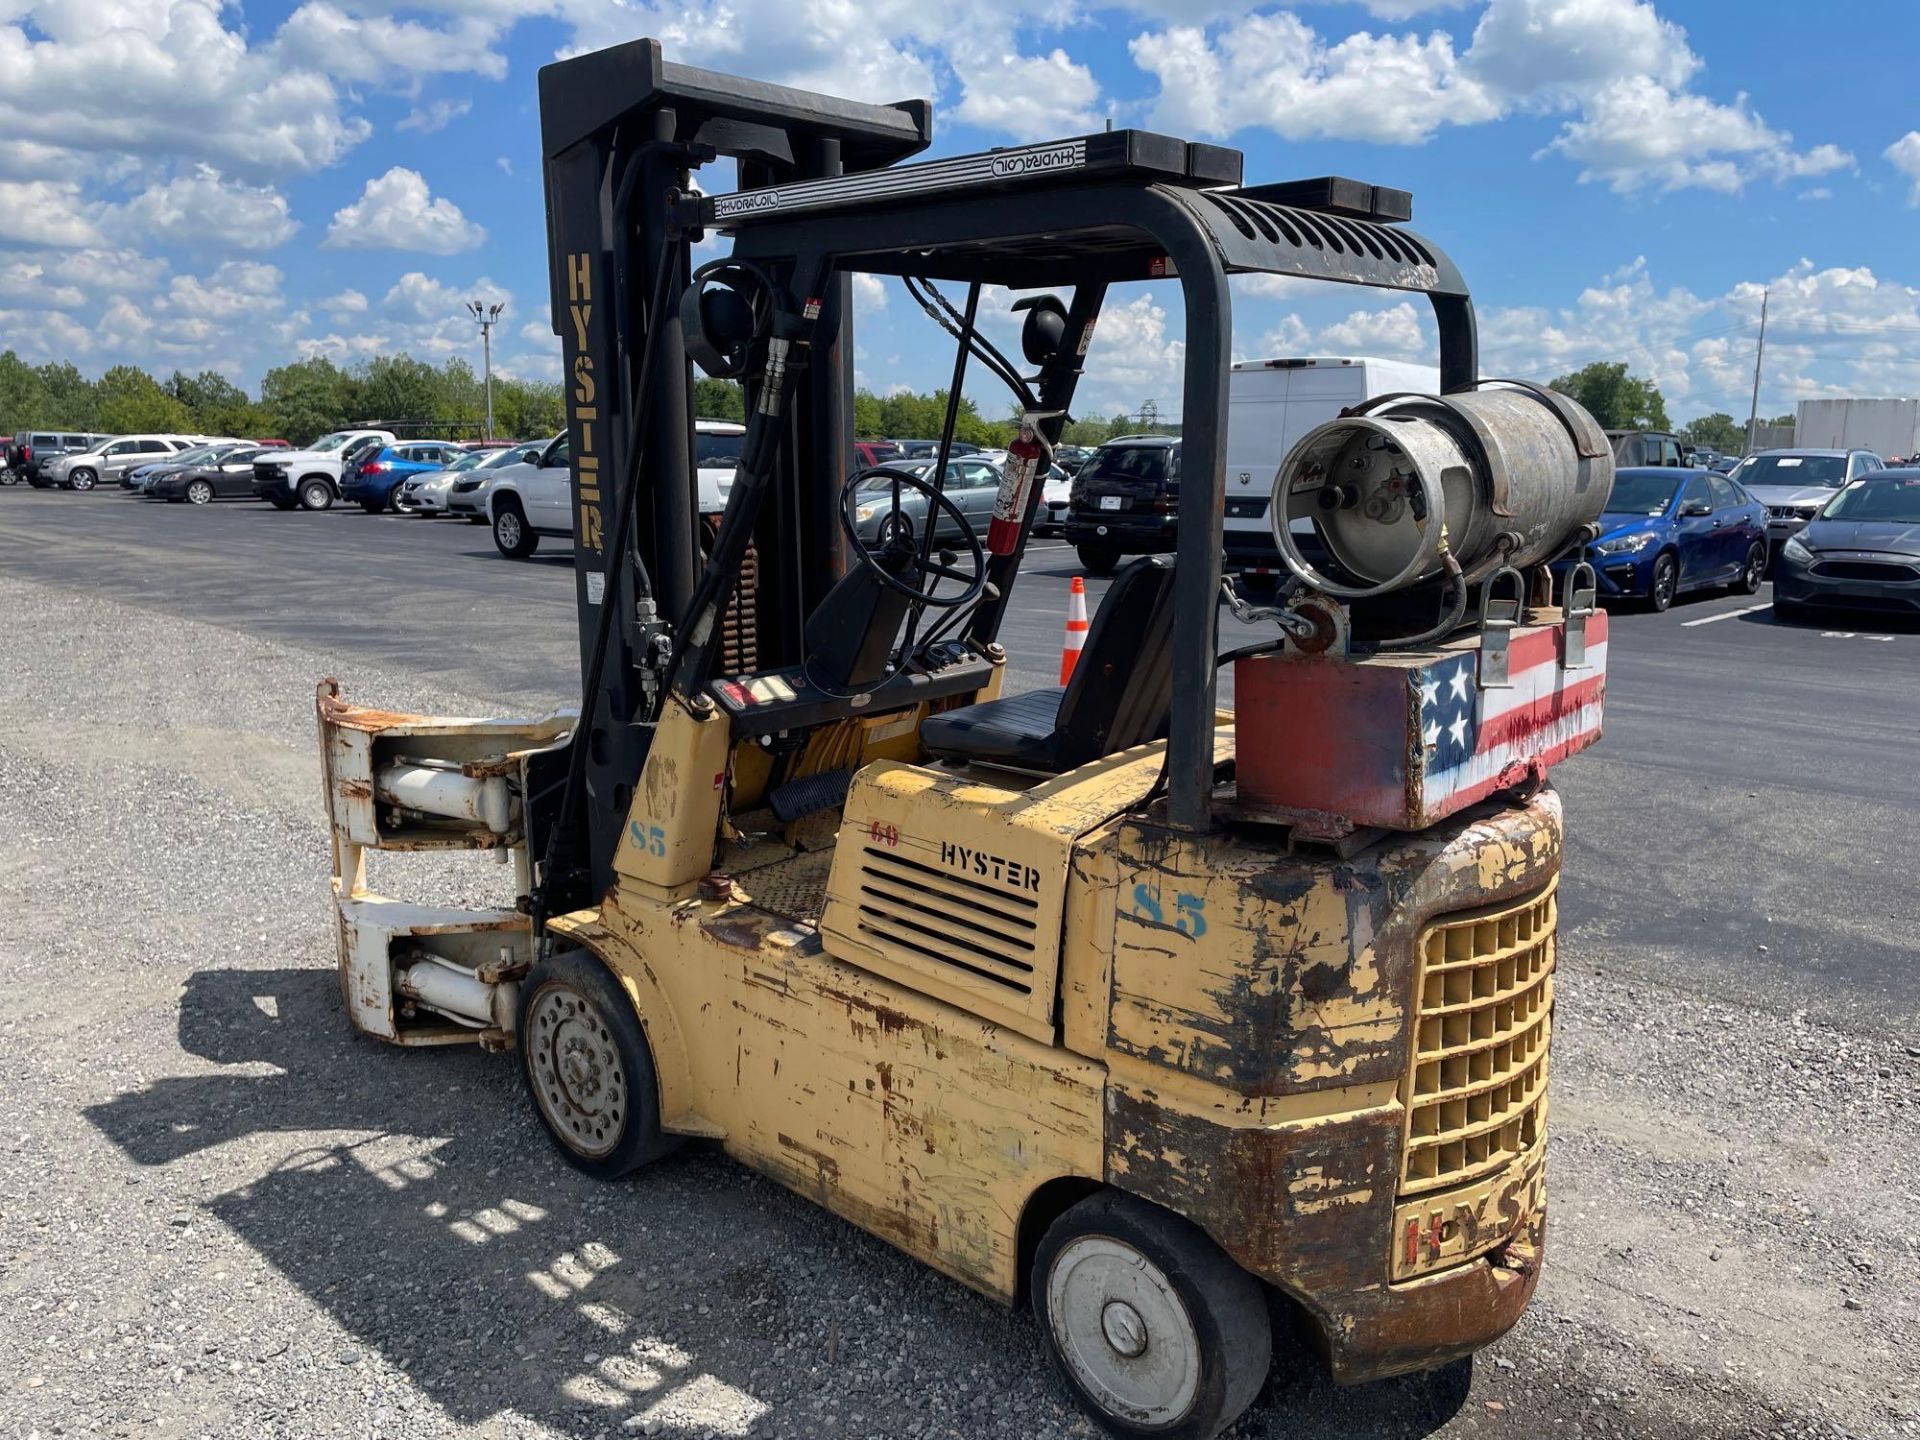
[374, 482]
[1668, 531]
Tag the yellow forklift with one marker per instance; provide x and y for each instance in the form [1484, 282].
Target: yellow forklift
[1162, 1019]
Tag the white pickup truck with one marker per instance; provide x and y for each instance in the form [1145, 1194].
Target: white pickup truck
[310, 478]
[535, 497]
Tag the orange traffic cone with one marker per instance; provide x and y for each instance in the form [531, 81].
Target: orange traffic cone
[1076, 629]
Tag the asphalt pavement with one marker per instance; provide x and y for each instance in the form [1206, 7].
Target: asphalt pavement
[222, 1214]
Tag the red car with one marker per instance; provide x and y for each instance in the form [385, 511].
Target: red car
[875, 452]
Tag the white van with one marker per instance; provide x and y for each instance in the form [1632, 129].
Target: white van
[1270, 405]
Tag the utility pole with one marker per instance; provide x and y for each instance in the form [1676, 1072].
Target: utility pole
[1753, 415]
[488, 316]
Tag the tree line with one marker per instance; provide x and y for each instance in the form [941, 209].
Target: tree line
[909, 415]
[297, 402]
[1620, 401]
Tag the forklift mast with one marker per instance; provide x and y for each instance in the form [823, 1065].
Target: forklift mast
[621, 129]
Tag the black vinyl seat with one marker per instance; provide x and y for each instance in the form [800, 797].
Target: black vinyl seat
[1120, 694]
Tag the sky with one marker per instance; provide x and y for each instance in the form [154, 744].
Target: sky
[191, 184]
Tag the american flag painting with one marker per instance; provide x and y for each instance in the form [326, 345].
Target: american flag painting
[1403, 739]
[1477, 741]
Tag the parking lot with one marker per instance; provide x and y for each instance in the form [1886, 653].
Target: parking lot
[341, 1238]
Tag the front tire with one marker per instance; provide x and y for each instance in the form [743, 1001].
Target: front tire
[1154, 1329]
[82, 480]
[587, 1066]
[513, 537]
[1753, 572]
[315, 494]
[1097, 559]
[1665, 583]
[200, 492]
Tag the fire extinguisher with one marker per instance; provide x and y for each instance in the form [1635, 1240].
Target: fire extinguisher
[1027, 457]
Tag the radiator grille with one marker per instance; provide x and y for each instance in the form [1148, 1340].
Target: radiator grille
[1477, 1086]
[1866, 570]
[986, 932]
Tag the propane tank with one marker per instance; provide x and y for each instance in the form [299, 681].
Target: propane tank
[1490, 477]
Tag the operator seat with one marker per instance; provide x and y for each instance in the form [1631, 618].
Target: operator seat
[1120, 694]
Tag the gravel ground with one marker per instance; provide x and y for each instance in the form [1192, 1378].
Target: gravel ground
[223, 1215]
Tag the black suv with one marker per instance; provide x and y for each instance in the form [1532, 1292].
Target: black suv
[30, 449]
[1125, 501]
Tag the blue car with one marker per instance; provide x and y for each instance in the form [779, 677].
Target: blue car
[375, 480]
[1668, 531]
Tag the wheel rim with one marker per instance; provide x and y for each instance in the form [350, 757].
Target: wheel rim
[1123, 1331]
[1663, 578]
[509, 527]
[200, 493]
[1756, 562]
[578, 1080]
[83, 480]
[315, 496]
[891, 529]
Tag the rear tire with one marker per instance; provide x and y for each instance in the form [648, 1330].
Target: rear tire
[200, 492]
[588, 1068]
[1098, 559]
[1155, 1330]
[1753, 572]
[316, 495]
[280, 502]
[373, 507]
[513, 537]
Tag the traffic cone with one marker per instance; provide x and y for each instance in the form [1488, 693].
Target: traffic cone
[1076, 629]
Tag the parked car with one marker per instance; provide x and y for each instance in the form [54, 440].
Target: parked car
[1056, 496]
[868, 453]
[310, 478]
[532, 498]
[1646, 447]
[225, 473]
[1125, 500]
[467, 495]
[972, 484]
[1071, 457]
[426, 493]
[1861, 552]
[1668, 531]
[109, 459]
[930, 449]
[372, 481]
[139, 478]
[1795, 484]
[1724, 464]
[32, 451]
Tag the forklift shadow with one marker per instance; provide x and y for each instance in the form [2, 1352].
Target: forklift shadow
[479, 1266]
[422, 1213]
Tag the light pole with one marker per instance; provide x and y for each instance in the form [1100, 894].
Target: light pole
[487, 315]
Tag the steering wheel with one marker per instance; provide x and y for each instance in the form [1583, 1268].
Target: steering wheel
[896, 550]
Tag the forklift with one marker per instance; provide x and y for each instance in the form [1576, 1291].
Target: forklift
[1195, 1030]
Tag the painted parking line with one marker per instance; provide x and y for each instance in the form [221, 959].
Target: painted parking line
[1725, 615]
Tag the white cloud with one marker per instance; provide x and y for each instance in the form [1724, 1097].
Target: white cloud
[1904, 156]
[46, 212]
[346, 304]
[1029, 97]
[396, 211]
[1275, 71]
[435, 118]
[869, 293]
[204, 210]
[1634, 133]
[162, 80]
[338, 42]
[1133, 358]
[1395, 333]
[1546, 50]
[419, 298]
[1616, 66]
[27, 281]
